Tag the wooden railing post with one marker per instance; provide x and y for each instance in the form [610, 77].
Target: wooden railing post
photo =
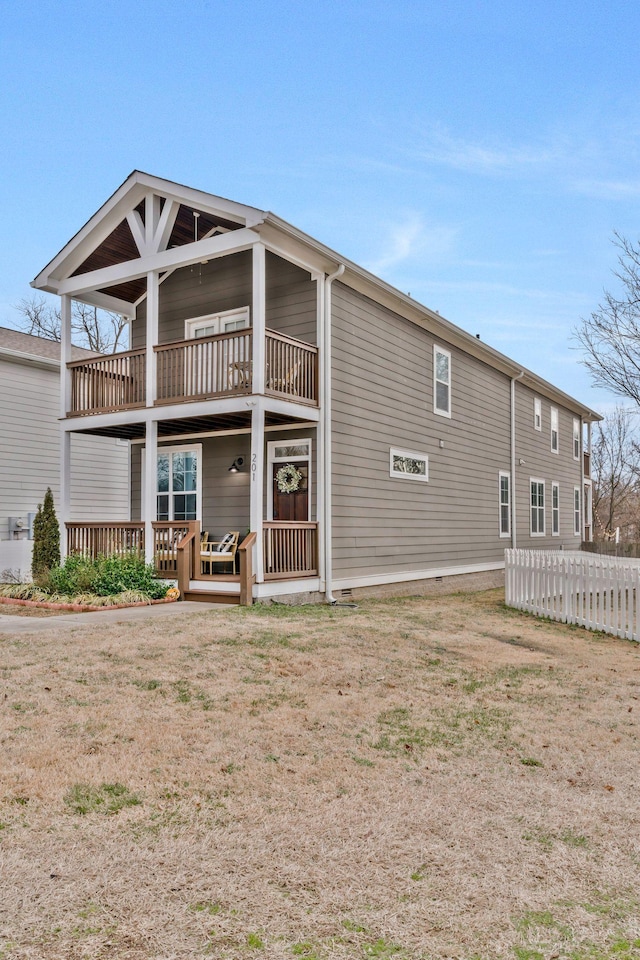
[247, 578]
[185, 556]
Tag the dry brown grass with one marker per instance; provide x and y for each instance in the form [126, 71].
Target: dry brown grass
[412, 779]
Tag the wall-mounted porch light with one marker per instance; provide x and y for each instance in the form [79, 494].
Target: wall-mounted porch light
[236, 465]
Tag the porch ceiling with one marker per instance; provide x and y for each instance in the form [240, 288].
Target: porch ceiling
[120, 246]
[191, 425]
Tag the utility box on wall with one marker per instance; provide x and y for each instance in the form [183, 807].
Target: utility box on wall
[21, 528]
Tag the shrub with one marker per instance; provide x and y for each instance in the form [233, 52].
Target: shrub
[105, 576]
[46, 538]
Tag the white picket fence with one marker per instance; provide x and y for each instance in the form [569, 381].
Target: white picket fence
[597, 592]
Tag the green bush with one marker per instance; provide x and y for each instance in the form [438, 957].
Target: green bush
[105, 577]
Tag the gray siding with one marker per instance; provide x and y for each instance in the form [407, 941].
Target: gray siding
[291, 300]
[382, 398]
[226, 284]
[534, 447]
[30, 459]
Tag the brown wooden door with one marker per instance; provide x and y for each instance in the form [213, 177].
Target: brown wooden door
[291, 506]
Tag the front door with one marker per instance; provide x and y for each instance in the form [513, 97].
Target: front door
[290, 483]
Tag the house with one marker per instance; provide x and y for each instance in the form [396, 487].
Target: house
[30, 449]
[354, 437]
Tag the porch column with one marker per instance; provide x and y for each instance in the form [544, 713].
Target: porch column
[320, 432]
[256, 492]
[150, 484]
[64, 505]
[152, 337]
[258, 317]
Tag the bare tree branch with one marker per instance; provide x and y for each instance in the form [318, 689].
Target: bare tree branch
[615, 471]
[610, 336]
[98, 330]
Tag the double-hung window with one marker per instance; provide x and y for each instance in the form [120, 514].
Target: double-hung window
[178, 483]
[555, 510]
[554, 430]
[537, 413]
[441, 381]
[577, 518]
[504, 481]
[576, 438]
[537, 508]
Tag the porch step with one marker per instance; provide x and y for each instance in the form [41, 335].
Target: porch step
[208, 596]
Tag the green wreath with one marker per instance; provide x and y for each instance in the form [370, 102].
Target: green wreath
[288, 478]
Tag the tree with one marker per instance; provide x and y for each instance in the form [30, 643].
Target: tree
[46, 538]
[615, 472]
[98, 330]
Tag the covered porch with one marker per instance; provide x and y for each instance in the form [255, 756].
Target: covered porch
[197, 482]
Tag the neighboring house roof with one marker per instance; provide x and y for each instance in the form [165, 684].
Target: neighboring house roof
[116, 233]
[26, 347]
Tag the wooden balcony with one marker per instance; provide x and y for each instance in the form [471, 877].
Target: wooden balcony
[587, 464]
[201, 369]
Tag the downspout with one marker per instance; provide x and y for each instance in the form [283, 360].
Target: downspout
[326, 416]
[513, 458]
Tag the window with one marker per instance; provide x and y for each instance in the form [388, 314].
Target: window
[537, 508]
[504, 481]
[178, 484]
[537, 413]
[577, 525]
[441, 381]
[214, 323]
[555, 510]
[576, 439]
[554, 430]
[408, 465]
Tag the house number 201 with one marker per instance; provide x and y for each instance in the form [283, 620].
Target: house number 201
[254, 465]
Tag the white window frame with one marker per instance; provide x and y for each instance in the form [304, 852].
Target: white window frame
[271, 459]
[221, 322]
[537, 413]
[181, 448]
[555, 509]
[504, 475]
[555, 431]
[539, 532]
[576, 439]
[577, 512]
[436, 409]
[412, 455]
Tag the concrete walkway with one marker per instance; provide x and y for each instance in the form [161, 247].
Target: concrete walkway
[10, 625]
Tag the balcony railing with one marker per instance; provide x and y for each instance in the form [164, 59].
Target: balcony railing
[290, 550]
[116, 382]
[200, 369]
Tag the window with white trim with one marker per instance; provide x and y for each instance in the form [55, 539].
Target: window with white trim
[576, 438]
[408, 465]
[504, 487]
[537, 508]
[555, 509]
[441, 381]
[178, 483]
[555, 446]
[213, 323]
[537, 413]
[577, 518]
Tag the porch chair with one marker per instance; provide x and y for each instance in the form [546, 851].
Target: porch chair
[219, 551]
[288, 383]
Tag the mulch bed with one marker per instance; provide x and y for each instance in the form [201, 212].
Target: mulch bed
[78, 607]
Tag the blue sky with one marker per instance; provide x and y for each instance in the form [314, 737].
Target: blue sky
[478, 155]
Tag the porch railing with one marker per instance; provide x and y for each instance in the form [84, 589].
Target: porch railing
[204, 368]
[290, 550]
[94, 539]
[167, 534]
[105, 384]
[291, 368]
[200, 369]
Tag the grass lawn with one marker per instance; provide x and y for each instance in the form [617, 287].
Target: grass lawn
[415, 778]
